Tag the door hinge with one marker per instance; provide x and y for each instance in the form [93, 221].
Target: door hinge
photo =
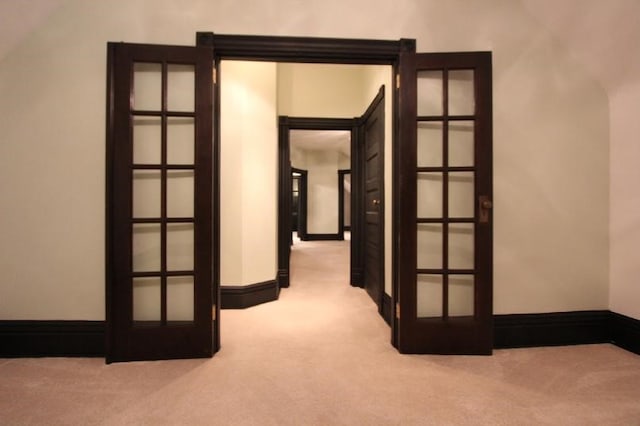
[214, 75]
[397, 310]
[397, 81]
[213, 312]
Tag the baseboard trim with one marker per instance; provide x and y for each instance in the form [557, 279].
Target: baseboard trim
[241, 297]
[322, 237]
[33, 338]
[386, 308]
[624, 332]
[551, 329]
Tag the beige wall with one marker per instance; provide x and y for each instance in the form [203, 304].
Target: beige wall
[551, 144]
[624, 291]
[322, 191]
[320, 90]
[248, 172]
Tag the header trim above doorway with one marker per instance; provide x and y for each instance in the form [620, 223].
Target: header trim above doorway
[305, 49]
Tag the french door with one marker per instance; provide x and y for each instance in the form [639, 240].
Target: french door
[161, 299]
[444, 292]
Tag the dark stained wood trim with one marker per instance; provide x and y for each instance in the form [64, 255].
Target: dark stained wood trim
[52, 339]
[341, 228]
[357, 275]
[386, 308]
[36, 338]
[302, 203]
[301, 49]
[241, 297]
[284, 203]
[551, 329]
[624, 332]
[323, 237]
[285, 124]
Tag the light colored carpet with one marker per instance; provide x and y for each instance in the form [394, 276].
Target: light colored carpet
[321, 356]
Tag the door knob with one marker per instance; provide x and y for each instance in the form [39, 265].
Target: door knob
[485, 205]
[376, 202]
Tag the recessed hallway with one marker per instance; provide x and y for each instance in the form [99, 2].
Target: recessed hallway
[321, 356]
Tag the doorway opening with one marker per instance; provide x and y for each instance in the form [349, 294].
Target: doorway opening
[441, 233]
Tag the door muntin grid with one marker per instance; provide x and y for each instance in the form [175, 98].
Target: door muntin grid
[446, 175]
[163, 123]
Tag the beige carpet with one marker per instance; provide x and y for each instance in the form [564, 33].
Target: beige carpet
[321, 356]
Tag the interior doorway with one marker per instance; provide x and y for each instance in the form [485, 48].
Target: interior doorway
[441, 299]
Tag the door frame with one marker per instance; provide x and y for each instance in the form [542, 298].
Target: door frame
[342, 173]
[401, 55]
[314, 50]
[302, 202]
[285, 125]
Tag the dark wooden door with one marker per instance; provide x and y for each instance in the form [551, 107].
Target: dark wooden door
[161, 299]
[444, 298]
[372, 131]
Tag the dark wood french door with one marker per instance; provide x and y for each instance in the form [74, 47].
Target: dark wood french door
[161, 299]
[372, 145]
[444, 254]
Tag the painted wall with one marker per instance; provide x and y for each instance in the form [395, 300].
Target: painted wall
[551, 143]
[248, 172]
[322, 191]
[625, 200]
[320, 90]
[322, 186]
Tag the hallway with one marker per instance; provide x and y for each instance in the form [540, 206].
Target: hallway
[321, 356]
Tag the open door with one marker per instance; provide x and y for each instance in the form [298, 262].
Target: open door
[161, 297]
[444, 274]
[372, 149]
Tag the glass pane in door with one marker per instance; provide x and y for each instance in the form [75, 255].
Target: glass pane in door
[430, 144]
[461, 140]
[429, 296]
[461, 195]
[461, 246]
[180, 140]
[461, 92]
[180, 298]
[180, 187]
[429, 93]
[146, 193]
[147, 142]
[147, 295]
[461, 295]
[146, 247]
[429, 250]
[147, 86]
[180, 87]
[180, 247]
[430, 195]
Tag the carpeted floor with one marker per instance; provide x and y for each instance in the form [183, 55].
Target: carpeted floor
[321, 356]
